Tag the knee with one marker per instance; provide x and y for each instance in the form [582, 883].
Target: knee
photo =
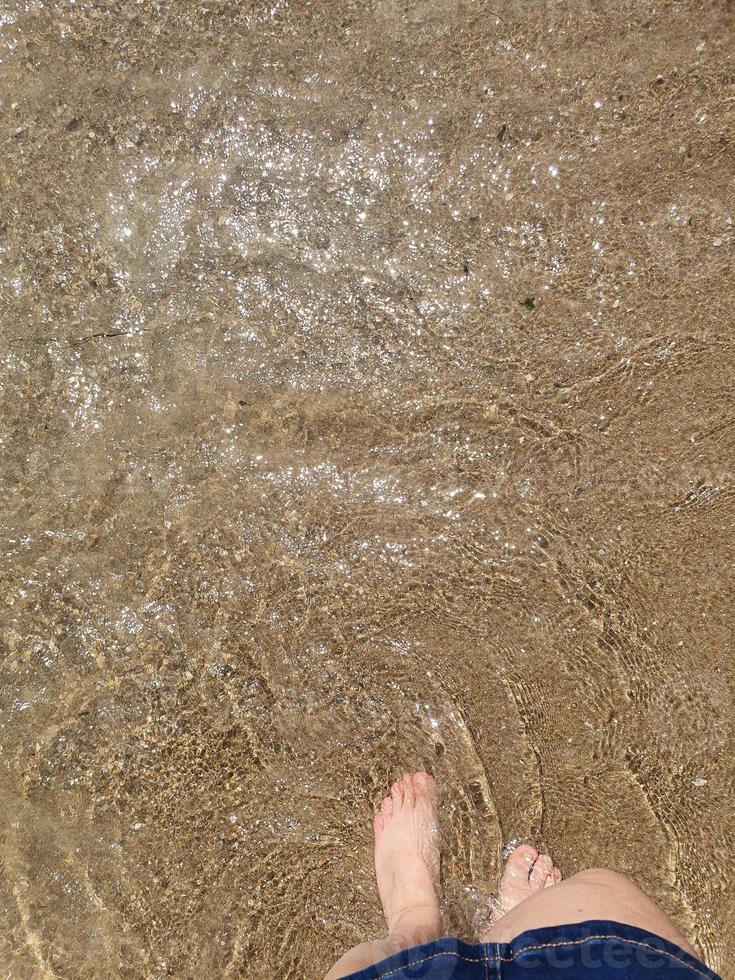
[604, 878]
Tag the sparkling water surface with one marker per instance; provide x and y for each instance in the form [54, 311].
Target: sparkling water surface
[366, 389]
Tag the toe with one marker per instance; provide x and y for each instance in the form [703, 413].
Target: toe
[541, 870]
[396, 793]
[520, 861]
[386, 807]
[378, 824]
[423, 782]
[409, 792]
[424, 787]
[557, 876]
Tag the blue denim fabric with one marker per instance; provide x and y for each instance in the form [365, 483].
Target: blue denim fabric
[597, 950]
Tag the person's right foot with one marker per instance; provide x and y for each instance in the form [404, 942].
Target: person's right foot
[526, 871]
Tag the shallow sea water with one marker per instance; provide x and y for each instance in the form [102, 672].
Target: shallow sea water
[366, 394]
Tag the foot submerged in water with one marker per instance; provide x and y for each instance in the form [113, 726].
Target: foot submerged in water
[407, 860]
[526, 871]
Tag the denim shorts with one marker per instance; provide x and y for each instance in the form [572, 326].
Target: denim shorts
[595, 949]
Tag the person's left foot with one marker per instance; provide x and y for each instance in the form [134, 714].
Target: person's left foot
[407, 860]
[526, 871]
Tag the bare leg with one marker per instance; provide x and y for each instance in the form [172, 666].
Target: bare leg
[407, 869]
[592, 894]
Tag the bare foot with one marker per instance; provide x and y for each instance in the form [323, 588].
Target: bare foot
[526, 871]
[407, 860]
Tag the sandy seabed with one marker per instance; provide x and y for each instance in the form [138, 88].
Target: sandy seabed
[366, 401]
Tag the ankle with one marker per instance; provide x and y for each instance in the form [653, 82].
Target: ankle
[415, 926]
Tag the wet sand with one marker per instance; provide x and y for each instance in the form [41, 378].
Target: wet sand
[366, 402]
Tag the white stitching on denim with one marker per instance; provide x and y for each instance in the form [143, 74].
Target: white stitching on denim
[434, 956]
[529, 949]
